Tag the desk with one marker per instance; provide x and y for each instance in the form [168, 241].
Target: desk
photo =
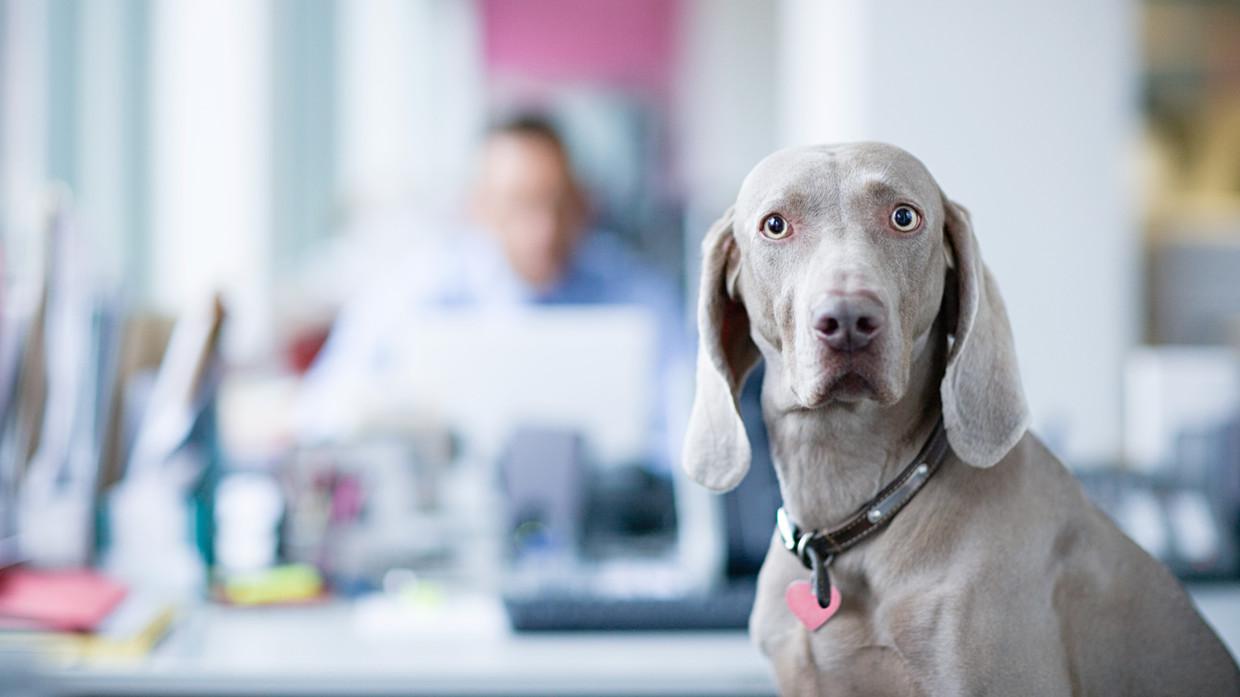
[317, 651]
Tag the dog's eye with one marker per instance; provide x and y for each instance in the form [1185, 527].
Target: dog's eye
[905, 219]
[774, 227]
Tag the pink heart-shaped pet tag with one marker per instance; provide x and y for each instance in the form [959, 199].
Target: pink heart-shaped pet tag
[804, 604]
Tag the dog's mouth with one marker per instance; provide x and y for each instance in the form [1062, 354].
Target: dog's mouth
[850, 383]
[850, 386]
[824, 377]
[847, 385]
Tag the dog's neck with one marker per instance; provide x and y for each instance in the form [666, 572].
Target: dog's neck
[832, 460]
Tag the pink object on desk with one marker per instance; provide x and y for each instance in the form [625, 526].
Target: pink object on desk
[70, 600]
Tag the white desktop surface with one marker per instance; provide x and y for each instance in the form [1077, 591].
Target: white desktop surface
[317, 651]
[1220, 605]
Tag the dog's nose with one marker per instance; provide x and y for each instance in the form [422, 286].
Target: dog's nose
[849, 322]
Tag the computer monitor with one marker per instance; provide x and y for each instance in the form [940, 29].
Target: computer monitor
[590, 369]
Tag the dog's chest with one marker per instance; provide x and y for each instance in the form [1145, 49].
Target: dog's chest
[904, 644]
[851, 655]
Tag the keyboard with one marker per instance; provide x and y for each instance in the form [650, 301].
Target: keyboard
[724, 608]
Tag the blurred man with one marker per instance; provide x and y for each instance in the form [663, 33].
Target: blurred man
[527, 244]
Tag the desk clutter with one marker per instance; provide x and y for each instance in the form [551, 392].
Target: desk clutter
[76, 616]
[143, 477]
[105, 446]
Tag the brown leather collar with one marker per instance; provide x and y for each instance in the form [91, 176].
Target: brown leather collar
[817, 548]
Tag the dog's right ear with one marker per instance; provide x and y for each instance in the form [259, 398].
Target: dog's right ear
[716, 452]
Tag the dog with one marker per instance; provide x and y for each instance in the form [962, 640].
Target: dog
[860, 284]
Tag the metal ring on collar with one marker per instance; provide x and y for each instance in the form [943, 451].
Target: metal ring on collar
[801, 553]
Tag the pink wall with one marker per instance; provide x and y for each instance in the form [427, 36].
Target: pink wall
[624, 42]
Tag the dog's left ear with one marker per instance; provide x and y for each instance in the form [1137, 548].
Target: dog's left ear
[716, 451]
[984, 406]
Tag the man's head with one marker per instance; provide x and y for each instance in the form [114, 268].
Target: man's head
[527, 197]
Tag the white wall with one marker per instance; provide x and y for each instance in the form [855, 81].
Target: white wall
[102, 152]
[376, 101]
[725, 97]
[411, 100]
[23, 138]
[1025, 113]
[210, 179]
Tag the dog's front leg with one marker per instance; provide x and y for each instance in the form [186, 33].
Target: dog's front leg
[776, 632]
[871, 671]
[793, 666]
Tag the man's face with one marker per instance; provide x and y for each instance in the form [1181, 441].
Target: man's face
[527, 199]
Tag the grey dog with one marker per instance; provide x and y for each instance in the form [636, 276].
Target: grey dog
[862, 287]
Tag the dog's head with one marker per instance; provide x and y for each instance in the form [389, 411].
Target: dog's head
[834, 264]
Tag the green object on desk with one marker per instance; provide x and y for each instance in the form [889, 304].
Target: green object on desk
[295, 583]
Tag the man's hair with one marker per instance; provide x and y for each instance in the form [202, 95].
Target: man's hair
[530, 124]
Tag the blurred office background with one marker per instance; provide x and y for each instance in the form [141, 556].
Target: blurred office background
[190, 193]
